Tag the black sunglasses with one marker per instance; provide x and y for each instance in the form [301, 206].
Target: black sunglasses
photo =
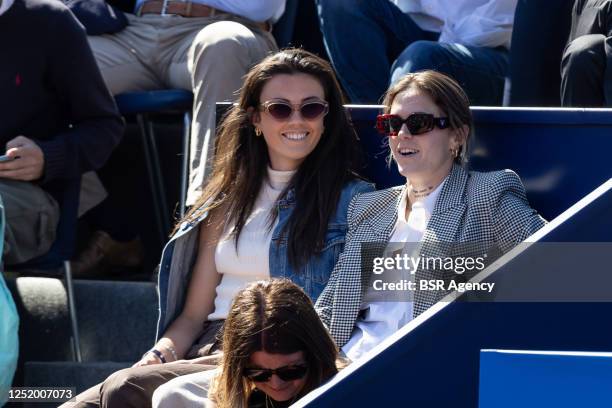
[309, 110]
[285, 373]
[417, 123]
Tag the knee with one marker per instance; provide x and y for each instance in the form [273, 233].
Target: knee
[117, 387]
[583, 54]
[223, 39]
[418, 56]
[424, 54]
[164, 395]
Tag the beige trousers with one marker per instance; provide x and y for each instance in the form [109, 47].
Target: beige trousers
[209, 55]
[31, 220]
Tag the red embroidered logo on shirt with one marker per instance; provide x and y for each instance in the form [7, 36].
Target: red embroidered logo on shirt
[18, 80]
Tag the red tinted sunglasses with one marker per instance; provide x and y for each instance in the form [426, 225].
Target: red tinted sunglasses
[309, 110]
[417, 123]
[285, 373]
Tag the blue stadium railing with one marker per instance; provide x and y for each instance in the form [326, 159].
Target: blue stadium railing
[535, 379]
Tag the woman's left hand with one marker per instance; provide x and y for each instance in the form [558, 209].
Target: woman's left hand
[147, 359]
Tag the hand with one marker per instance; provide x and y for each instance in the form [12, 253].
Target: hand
[147, 359]
[28, 163]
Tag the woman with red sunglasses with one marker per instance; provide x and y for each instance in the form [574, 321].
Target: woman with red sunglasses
[443, 215]
[275, 206]
[276, 350]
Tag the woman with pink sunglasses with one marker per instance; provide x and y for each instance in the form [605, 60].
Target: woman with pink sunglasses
[275, 206]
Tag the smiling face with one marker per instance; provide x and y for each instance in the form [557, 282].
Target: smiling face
[276, 388]
[423, 159]
[290, 141]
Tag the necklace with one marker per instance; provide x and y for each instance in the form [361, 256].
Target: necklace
[424, 192]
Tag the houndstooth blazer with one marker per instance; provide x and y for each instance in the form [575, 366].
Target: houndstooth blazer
[484, 209]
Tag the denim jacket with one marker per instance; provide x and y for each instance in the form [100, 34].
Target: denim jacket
[179, 255]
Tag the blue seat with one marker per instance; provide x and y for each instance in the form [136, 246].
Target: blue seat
[164, 100]
[143, 104]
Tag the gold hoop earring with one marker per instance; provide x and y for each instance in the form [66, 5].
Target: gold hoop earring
[257, 132]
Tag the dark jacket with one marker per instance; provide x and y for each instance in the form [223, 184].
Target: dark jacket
[51, 91]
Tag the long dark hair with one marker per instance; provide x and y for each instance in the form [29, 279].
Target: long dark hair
[277, 317]
[241, 159]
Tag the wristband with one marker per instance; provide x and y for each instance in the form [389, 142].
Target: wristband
[158, 354]
[171, 350]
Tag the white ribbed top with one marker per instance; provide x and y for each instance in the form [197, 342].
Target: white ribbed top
[251, 262]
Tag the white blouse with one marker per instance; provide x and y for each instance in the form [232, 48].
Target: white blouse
[479, 23]
[383, 318]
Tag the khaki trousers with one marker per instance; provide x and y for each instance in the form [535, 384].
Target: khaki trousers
[206, 55]
[31, 220]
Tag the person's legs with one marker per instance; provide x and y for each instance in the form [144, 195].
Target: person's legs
[539, 34]
[213, 65]
[132, 387]
[480, 71]
[582, 72]
[31, 220]
[362, 39]
[125, 58]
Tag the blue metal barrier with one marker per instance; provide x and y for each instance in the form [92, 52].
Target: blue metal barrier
[560, 154]
[433, 361]
[534, 379]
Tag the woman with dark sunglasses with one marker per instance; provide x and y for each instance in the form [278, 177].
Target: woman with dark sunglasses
[275, 206]
[443, 212]
[276, 350]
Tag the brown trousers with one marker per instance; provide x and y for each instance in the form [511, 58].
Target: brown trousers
[133, 387]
